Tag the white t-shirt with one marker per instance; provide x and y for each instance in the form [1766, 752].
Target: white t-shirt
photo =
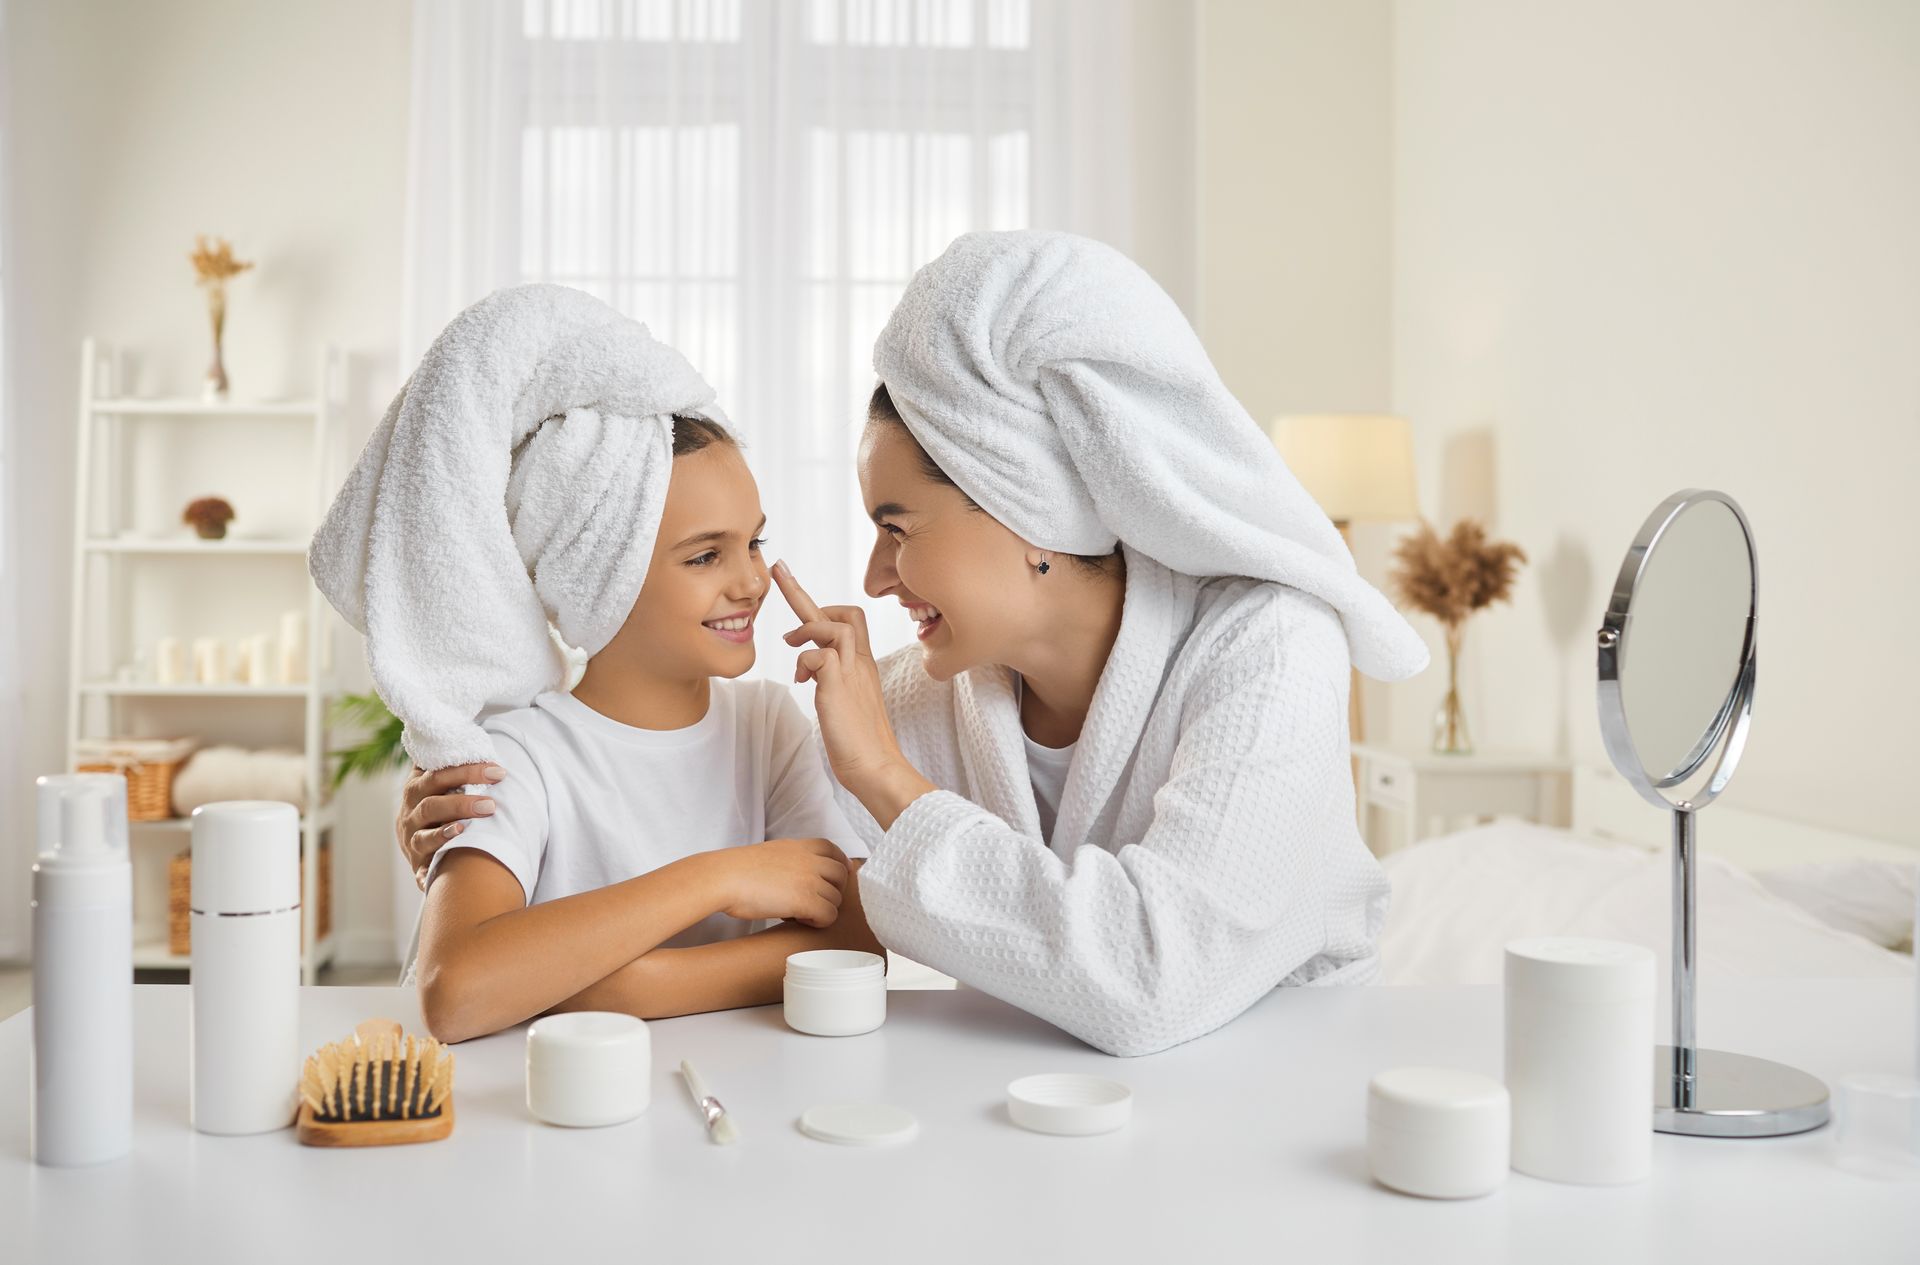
[1047, 769]
[588, 801]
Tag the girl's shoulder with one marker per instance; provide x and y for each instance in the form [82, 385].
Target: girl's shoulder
[760, 706]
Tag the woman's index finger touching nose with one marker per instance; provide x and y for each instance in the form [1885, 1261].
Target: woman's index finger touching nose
[803, 606]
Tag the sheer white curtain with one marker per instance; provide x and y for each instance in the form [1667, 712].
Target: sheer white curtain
[756, 180]
[11, 699]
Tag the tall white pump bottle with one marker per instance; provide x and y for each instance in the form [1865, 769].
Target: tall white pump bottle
[82, 972]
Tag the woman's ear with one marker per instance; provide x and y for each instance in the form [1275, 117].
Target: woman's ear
[1041, 560]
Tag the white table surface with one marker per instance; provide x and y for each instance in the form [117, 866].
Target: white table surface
[1245, 1145]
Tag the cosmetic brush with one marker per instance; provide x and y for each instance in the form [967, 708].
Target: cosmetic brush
[720, 1126]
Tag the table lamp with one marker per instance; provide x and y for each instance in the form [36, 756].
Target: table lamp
[1358, 466]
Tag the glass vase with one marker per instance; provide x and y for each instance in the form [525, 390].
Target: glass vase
[1450, 721]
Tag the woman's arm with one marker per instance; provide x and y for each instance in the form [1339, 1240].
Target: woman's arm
[727, 974]
[1250, 868]
[488, 960]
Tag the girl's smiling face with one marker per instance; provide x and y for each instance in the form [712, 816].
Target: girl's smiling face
[695, 613]
[962, 575]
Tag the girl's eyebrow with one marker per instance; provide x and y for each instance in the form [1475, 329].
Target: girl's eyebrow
[709, 537]
[890, 509]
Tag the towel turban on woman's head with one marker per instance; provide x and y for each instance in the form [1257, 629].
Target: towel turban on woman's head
[1064, 391]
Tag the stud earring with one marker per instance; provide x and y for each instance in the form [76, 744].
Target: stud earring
[1044, 567]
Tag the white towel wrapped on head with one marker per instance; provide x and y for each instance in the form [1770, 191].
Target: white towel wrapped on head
[1062, 390]
[516, 481]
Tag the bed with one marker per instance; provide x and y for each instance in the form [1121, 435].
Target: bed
[1776, 899]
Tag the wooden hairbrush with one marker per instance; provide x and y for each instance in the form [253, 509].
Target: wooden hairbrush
[376, 1088]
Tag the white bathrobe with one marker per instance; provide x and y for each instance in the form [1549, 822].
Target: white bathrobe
[1205, 849]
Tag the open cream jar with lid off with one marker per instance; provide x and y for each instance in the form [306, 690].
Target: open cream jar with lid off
[835, 992]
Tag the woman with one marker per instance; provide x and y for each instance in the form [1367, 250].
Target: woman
[1110, 785]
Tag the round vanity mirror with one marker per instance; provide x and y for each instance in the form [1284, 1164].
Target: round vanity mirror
[1676, 695]
[1677, 652]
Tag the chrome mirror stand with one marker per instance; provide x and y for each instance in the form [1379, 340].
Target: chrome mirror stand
[1705, 1093]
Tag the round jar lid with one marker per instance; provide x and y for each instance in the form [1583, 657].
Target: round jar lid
[1069, 1104]
[859, 1124]
[1423, 1099]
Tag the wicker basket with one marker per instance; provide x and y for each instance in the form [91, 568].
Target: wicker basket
[149, 765]
[180, 897]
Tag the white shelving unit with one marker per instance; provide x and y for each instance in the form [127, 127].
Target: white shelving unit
[108, 554]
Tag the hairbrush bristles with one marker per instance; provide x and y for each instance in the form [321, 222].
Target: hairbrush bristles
[377, 1078]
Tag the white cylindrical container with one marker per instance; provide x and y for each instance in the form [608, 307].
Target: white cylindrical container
[210, 661]
[835, 992]
[1438, 1133]
[1579, 1047]
[254, 662]
[82, 1109]
[293, 648]
[588, 1068]
[170, 662]
[246, 966]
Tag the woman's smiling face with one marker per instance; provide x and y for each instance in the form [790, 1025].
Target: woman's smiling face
[961, 574]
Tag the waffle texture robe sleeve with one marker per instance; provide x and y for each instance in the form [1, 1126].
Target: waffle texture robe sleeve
[1244, 870]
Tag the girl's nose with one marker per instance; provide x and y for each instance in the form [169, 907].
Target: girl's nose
[752, 582]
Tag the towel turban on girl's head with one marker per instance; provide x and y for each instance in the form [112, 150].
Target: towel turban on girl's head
[516, 481]
[1064, 392]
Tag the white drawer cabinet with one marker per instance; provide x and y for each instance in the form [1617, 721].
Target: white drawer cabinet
[1407, 795]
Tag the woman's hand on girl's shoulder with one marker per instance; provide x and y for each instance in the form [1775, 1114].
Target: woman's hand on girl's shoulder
[433, 811]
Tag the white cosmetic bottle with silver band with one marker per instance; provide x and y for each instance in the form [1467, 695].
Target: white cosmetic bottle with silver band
[246, 966]
[82, 972]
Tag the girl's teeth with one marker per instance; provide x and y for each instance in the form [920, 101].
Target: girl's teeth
[729, 625]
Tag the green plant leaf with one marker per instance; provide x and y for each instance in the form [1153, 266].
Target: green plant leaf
[379, 750]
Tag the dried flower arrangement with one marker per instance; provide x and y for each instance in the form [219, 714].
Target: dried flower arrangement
[214, 266]
[1450, 578]
[208, 516]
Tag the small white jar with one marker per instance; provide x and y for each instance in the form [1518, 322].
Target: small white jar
[835, 992]
[1437, 1133]
[588, 1068]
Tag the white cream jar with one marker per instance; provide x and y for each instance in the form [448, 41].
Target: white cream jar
[835, 992]
[588, 1068]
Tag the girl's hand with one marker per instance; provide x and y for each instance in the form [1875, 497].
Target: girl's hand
[861, 747]
[798, 879]
[434, 812]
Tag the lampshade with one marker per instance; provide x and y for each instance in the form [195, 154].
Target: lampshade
[1357, 465]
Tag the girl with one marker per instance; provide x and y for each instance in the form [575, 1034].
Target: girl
[614, 871]
[550, 464]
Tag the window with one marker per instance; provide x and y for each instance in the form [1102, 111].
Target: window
[756, 180]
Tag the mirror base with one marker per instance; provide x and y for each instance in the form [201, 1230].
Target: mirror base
[1737, 1096]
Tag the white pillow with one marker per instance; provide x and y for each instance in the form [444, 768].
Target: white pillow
[1872, 899]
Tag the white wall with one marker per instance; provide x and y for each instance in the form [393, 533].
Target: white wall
[1642, 246]
[1293, 128]
[134, 127]
[1293, 135]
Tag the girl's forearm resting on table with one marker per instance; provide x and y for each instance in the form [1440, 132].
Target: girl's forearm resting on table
[489, 961]
[725, 975]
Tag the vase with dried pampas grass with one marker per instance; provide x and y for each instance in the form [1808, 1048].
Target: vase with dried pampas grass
[1450, 577]
[214, 266]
